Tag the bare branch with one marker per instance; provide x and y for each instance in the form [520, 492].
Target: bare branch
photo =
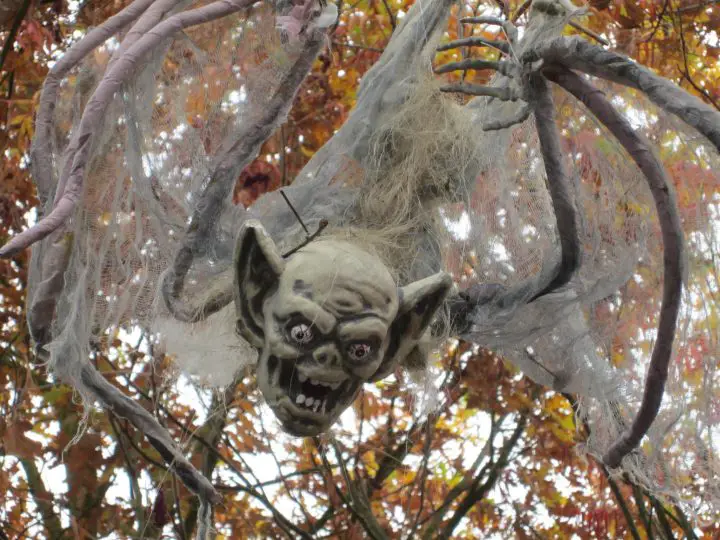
[43, 498]
[358, 501]
[673, 256]
[597, 37]
[10, 39]
[478, 492]
[391, 15]
[622, 503]
[521, 10]
[686, 71]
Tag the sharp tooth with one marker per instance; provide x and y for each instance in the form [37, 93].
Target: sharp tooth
[302, 377]
[334, 386]
[300, 399]
[314, 381]
[309, 401]
[317, 405]
[324, 403]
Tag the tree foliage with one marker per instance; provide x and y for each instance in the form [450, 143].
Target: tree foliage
[497, 456]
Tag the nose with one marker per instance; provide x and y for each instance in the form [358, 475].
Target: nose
[328, 355]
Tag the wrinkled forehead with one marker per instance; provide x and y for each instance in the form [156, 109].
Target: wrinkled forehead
[341, 278]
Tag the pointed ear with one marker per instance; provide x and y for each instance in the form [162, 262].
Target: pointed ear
[258, 266]
[419, 302]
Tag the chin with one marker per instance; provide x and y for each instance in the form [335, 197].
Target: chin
[302, 427]
[304, 409]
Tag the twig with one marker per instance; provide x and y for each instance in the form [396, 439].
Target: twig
[647, 520]
[673, 256]
[467, 482]
[10, 39]
[423, 478]
[623, 505]
[360, 506]
[656, 26]
[158, 437]
[662, 519]
[42, 497]
[521, 10]
[478, 492]
[283, 478]
[393, 22]
[135, 494]
[597, 37]
[686, 72]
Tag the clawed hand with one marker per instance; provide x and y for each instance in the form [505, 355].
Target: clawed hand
[517, 71]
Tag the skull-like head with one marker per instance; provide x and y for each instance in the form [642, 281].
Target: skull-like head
[326, 320]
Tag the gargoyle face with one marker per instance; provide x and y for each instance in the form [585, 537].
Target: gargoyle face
[326, 321]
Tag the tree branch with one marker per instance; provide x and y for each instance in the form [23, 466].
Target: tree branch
[647, 520]
[466, 483]
[623, 505]
[43, 498]
[210, 432]
[10, 39]
[478, 492]
[358, 502]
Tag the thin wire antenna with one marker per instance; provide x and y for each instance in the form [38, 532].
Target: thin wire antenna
[297, 216]
[308, 237]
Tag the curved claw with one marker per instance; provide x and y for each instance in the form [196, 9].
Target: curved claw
[501, 93]
[506, 68]
[518, 118]
[502, 46]
[507, 26]
[497, 21]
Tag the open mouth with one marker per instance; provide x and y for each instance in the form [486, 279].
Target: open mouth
[310, 397]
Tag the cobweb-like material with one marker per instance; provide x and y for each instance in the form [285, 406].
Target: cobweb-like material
[171, 124]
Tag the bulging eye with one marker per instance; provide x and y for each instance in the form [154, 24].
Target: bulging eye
[359, 351]
[301, 333]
